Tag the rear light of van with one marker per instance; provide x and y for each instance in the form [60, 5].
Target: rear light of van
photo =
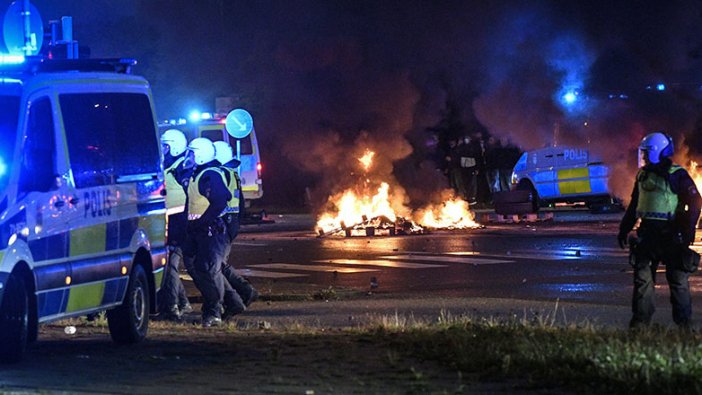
[259, 168]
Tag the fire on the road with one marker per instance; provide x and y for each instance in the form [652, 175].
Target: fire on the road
[696, 174]
[369, 200]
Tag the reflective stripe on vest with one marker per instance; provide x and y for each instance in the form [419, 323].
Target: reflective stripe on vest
[175, 194]
[198, 203]
[656, 199]
[234, 187]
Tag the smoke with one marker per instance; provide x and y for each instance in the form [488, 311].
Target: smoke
[326, 80]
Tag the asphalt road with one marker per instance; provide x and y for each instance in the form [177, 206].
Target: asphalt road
[572, 258]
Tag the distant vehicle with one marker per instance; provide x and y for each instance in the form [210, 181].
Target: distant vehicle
[213, 128]
[562, 174]
[82, 214]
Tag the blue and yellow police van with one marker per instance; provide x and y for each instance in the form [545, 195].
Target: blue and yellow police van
[562, 174]
[82, 210]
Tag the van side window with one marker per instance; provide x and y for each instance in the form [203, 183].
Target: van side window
[38, 171]
[246, 146]
[110, 135]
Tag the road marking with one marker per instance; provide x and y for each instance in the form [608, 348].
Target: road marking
[549, 255]
[247, 243]
[265, 274]
[314, 268]
[451, 259]
[380, 262]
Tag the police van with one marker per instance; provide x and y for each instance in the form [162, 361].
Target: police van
[562, 174]
[82, 211]
[214, 128]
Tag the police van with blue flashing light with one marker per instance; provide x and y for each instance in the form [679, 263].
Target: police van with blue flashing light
[214, 127]
[82, 211]
[562, 175]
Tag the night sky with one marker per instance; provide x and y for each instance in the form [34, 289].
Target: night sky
[326, 79]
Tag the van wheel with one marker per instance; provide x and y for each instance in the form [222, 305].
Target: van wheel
[526, 185]
[129, 322]
[14, 320]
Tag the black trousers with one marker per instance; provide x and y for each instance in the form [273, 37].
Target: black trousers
[204, 251]
[238, 291]
[172, 291]
[659, 243]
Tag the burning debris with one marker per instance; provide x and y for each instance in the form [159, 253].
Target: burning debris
[368, 210]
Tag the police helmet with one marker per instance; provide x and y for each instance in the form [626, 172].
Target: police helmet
[176, 141]
[656, 146]
[203, 150]
[223, 152]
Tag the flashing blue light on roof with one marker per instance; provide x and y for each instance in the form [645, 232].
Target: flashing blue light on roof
[3, 168]
[206, 115]
[195, 116]
[11, 59]
[570, 97]
[660, 87]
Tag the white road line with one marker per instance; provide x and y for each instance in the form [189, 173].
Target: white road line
[247, 243]
[522, 254]
[451, 259]
[314, 268]
[265, 274]
[380, 262]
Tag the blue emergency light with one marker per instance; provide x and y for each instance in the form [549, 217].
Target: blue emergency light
[11, 59]
[570, 97]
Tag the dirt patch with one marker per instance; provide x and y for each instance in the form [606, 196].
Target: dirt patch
[184, 358]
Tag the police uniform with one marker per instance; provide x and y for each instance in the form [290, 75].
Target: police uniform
[666, 200]
[244, 292]
[207, 238]
[172, 297]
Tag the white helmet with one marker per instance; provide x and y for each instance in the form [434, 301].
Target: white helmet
[203, 150]
[654, 147]
[175, 140]
[223, 152]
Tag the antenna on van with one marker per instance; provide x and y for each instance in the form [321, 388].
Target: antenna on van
[556, 132]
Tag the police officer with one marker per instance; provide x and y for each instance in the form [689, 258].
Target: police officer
[667, 201]
[245, 293]
[206, 239]
[172, 298]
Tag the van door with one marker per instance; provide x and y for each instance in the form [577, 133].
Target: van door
[543, 172]
[250, 170]
[113, 153]
[43, 195]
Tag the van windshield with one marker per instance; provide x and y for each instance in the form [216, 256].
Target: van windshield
[9, 114]
[217, 135]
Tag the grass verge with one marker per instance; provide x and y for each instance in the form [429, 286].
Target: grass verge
[580, 358]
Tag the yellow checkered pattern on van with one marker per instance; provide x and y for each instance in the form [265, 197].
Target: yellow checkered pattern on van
[574, 181]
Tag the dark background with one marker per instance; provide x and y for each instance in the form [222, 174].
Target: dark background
[326, 79]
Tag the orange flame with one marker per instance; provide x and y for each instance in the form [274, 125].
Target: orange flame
[695, 174]
[451, 214]
[367, 159]
[353, 208]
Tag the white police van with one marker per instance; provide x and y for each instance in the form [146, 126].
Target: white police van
[82, 213]
[562, 174]
[213, 127]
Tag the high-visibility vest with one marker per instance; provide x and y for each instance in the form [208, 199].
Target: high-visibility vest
[175, 194]
[198, 203]
[656, 200]
[234, 186]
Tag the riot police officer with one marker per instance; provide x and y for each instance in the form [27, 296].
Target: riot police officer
[667, 202]
[172, 298]
[206, 239]
[245, 293]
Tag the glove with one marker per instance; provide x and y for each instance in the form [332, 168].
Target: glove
[622, 239]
